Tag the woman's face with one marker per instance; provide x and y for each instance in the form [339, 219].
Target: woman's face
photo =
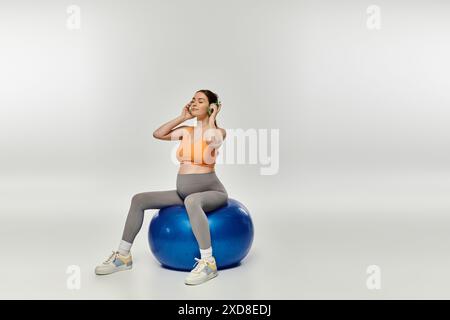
[199, 105]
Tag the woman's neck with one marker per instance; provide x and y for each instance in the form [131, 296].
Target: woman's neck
[203, 123]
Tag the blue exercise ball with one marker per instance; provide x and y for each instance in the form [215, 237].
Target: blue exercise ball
[174, 245]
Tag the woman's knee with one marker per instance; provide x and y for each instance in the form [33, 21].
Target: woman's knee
[191, 200]
[139, 199]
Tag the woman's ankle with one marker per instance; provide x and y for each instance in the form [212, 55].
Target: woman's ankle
[124, 247]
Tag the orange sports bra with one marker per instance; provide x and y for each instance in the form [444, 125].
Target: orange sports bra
[195, 150]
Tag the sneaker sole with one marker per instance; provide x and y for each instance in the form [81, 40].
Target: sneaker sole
[121, 268]
[195, 282]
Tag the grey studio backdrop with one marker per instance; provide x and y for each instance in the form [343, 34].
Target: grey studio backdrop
[358, 207]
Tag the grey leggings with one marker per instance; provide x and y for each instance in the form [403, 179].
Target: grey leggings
[198, 192]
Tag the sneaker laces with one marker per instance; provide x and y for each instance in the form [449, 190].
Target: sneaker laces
[111, 258]
[198, 264]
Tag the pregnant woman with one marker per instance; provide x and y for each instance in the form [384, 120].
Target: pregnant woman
[197, 187]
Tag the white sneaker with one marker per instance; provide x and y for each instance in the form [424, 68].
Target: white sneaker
[115, 262]
[205, 270]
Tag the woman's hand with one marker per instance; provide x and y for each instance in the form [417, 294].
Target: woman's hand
[214, 137]
[185, 113]
[215, 108]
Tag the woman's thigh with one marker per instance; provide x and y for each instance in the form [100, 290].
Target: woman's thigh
[157, 199]
[208, 200]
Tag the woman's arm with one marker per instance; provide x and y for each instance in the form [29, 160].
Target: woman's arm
[216, 135]
[167, 131]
